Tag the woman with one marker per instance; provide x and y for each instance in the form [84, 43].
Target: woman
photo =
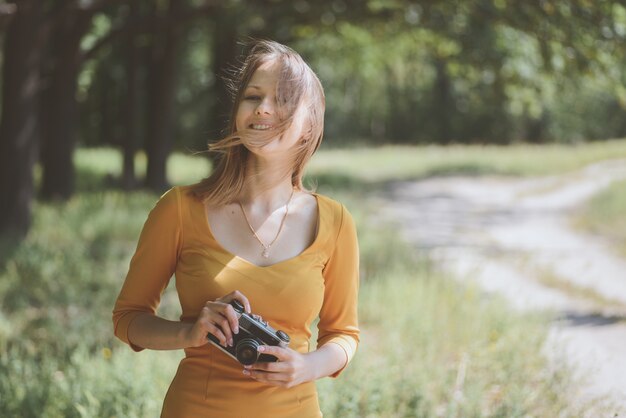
[250, 232]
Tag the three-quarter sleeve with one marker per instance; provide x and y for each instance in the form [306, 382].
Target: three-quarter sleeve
[152, 265]
[338, 322]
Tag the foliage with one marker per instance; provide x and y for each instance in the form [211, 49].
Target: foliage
[146, 75]
[474, 81]
[476, 71]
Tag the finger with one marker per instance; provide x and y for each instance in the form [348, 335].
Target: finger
[237, 295]
[267, 377]
[206, 322]
[217, 333]
[282, 354]
[284, 380]
[220, 321]
[218, 314]
[232, 318]
[270, 366]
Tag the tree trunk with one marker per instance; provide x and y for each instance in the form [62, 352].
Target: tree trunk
[162, 89]
[18, 128]
[130, 105]
[224, 56]
[58, 110]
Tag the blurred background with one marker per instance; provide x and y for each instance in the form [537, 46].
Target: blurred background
[107, 103]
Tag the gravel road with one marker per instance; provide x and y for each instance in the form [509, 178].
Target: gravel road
[515, 237]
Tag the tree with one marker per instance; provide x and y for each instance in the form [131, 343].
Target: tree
[162, 76]
[18, 127]
[58, 98]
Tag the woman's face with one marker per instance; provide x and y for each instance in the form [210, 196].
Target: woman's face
[258, 110]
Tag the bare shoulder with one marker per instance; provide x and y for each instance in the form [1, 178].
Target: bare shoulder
[304, 204]
[224, 214]
[304, 209]
[329, 205]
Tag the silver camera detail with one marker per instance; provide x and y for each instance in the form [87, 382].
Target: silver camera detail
[253, 332]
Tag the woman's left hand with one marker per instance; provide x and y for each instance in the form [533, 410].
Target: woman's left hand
[291, 369]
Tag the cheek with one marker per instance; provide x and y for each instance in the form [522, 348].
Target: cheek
[240, 117]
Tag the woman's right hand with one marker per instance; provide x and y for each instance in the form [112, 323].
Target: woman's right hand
[218, 318]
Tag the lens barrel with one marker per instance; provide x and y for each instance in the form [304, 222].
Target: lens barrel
[247, 351]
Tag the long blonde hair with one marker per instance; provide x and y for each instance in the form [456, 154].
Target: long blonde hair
[297, 85]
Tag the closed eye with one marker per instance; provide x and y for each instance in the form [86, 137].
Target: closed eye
[252, 98]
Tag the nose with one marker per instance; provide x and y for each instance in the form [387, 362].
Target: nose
[264, 107]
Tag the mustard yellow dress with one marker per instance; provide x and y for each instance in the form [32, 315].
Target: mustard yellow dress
[322, 281]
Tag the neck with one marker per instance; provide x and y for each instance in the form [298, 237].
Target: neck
[267, 187]
[269, 199]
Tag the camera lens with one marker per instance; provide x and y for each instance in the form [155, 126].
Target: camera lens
[283, 336]
[237, 305]
[246, 351]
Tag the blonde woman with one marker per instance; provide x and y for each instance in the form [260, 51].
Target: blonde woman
[251, 233]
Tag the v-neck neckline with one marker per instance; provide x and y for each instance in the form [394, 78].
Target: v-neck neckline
[209, 231]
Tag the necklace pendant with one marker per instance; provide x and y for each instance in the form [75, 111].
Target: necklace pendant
[266, 247]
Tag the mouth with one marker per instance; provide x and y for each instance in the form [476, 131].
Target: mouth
[260, 127]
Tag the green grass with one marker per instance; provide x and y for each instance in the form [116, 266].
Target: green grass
[396, 162]
[431, 347]
[375, 165]
[605, 215]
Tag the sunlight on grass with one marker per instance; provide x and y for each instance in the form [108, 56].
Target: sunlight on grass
[398, 162]
[380, 164]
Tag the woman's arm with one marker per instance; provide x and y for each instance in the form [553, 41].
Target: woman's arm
[338, 324]
[216, 317]
[327, 360]
[150, 270]
[156, 333]
[153, 264]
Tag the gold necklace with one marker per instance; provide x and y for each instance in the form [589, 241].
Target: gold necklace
[266, 247]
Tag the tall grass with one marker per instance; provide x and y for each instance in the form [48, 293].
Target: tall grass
[57, 355]
[431, 347]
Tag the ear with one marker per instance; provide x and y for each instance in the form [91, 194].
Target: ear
[307, 135]
[308, 131]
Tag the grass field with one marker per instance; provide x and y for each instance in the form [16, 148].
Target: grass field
[430, 347]
[367, 166]
[397, 162]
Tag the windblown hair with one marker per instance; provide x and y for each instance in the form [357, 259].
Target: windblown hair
[297, 84]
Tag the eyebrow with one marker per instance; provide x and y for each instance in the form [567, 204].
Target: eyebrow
[253, 86]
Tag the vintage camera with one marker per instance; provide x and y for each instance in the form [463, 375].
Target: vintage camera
[253, 332]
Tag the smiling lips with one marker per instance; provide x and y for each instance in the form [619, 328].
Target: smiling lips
[260, 127]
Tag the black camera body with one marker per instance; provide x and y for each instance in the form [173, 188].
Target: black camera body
[253, 332]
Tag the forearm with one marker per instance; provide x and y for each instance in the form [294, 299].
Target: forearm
[326, 360]
[153, 332]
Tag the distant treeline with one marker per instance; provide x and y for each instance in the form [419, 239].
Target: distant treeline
[145, 75]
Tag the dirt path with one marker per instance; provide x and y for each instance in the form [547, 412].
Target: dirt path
[514, 237]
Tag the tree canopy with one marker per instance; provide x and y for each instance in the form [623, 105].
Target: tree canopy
[147, 75]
